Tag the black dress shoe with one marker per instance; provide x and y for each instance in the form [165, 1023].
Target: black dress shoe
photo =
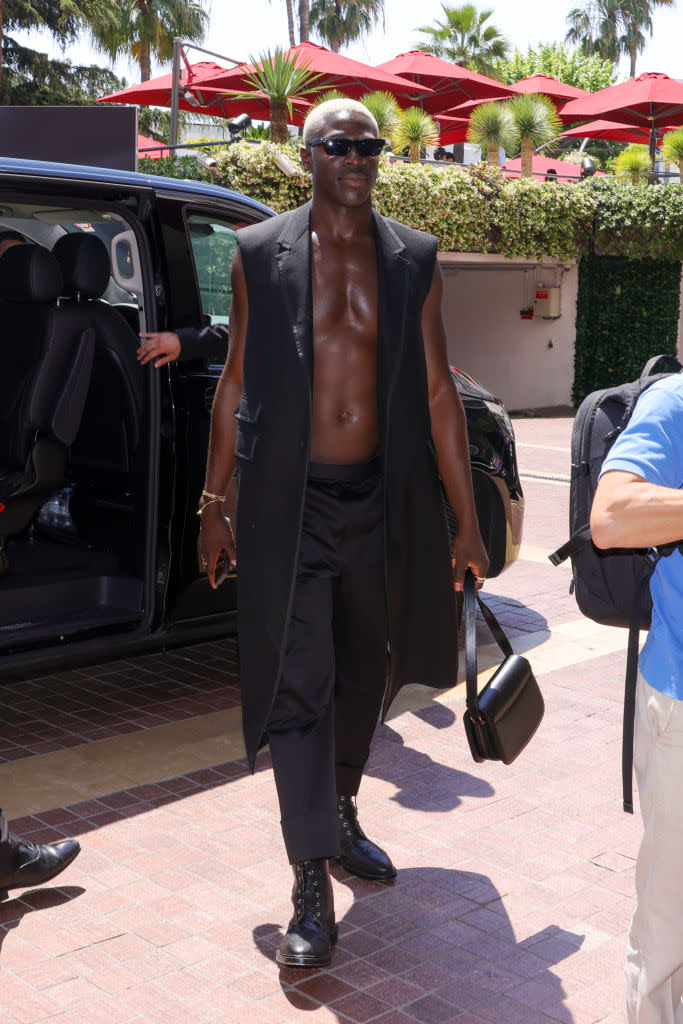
[312, 931]
[359, 855]
[24, 864]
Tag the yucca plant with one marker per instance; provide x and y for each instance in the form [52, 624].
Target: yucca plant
[535, 122]
[672, 149]
[634, 164]
[281, 79]
[416, 130]
[491, 127]
[385, 110]
[331, 94]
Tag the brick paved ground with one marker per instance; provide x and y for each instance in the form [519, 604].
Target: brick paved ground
[515, 885]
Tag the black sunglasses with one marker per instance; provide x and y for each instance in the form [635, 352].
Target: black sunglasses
[337, 145]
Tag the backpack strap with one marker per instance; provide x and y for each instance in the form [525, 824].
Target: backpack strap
[671, 362]
[570, 547]
[630, 683]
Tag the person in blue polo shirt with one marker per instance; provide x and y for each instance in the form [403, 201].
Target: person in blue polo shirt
[639, 503]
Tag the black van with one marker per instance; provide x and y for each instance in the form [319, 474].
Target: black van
[102, 460]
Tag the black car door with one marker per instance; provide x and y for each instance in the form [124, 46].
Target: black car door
[200, 242]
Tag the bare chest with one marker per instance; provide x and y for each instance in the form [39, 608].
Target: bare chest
[345, 294]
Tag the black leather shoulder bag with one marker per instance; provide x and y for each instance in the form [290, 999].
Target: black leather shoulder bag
[500, 721]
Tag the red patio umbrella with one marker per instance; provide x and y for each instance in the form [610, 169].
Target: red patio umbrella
[649, 101]
[449, 83]
[542, 165]
[546, 85]
[149, 148]
[451, 129]
[613, 131]
[559, 92]
[156, 92]
[335, 70]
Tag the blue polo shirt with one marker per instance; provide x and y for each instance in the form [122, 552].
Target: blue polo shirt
[651, 446]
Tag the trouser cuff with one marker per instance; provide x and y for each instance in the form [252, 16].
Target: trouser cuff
[311, 836]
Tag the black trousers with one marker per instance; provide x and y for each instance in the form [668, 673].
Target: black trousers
[335, 668]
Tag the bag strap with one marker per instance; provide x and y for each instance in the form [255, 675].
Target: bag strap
[671, 362]
[471, 600]
[630, 682]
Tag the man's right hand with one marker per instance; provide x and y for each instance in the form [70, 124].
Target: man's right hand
[162, 346]
[215, 537]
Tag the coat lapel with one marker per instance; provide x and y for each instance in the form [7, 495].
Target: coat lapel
[293, 260]
[393, 278]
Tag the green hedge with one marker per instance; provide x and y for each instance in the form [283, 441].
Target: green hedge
[476, 210]
[627, 311]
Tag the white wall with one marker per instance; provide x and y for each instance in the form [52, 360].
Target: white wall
[529, 364]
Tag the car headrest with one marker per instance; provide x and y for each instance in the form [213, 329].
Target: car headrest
[84, 263]
[29, 273]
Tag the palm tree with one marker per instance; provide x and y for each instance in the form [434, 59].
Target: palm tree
[535, 122]
[465, 39]
[610, 28]
[281, 79]
[147, 28]
[385, 110]
[634, 164]
[594, 27]
[672, 148]
[339, 22]
[491, 127]
[416, 129]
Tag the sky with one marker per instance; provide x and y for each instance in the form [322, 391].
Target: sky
[240, 29]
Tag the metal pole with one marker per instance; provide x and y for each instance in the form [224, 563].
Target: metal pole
[653, 148]
[175, 91]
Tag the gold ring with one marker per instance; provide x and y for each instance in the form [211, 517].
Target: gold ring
[480, 579]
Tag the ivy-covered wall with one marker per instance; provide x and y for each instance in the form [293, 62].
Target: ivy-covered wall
[629, 238]
[627, 311]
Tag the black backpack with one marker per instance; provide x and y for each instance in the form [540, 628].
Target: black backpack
[611, 587]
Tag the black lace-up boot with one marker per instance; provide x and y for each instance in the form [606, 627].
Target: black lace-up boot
[359, 855]
[24, 864]
[312, 931]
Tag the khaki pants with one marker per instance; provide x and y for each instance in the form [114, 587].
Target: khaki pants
[654, 963]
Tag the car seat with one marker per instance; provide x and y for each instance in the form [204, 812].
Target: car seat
[46, 358]
[112, 420]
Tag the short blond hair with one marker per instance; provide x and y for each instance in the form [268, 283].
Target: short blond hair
[315, 121]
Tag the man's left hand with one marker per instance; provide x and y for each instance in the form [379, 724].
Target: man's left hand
[469, 553]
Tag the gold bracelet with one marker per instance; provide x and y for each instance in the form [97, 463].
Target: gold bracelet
[208, 494]
[206, 504]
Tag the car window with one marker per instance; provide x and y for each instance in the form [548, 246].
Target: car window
[213, 243]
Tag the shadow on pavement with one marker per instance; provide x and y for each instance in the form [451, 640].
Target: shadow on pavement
[437, 945]
[436, 787]
[13, 910]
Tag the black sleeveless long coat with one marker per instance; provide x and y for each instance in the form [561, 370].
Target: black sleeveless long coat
[272, 450]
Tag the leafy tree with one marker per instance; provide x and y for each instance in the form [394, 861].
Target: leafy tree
[535, 122]
[491, 127]
[570, 66]
[416, 130]
[634, 164]
[147, 28]
[672, 148]
[612, 28]
[465, 38]
[27, 76]
[339, 22]
[281, 79]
